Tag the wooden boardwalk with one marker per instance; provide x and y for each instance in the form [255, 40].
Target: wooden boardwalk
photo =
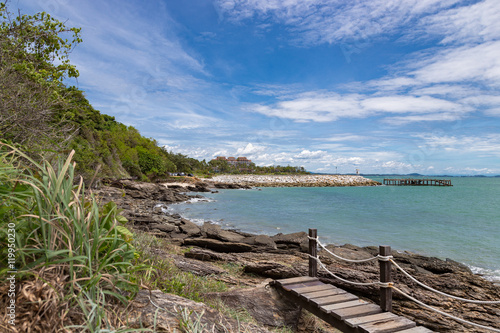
[341, 309]
[417, 182]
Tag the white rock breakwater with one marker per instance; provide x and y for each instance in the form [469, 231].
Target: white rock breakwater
[294, 180]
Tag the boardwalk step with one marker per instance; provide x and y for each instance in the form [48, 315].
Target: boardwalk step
[290, 287]
[387, 326]
[419, 329]
[333, 299]
[310, 289]
[356, 311]
[323, 293]
[331, 307]
[354, 322]
[300, 279]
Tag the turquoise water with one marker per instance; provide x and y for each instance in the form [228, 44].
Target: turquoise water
[460, 222]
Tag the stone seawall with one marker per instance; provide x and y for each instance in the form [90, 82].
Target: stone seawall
[293, 180]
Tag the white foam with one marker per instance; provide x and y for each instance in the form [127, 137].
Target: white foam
[487, 274]
[196, 200]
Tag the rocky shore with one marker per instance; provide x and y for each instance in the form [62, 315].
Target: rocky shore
[292, 180]
[285, 255]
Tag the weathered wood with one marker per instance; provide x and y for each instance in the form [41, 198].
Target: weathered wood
[310, 289]
[385, 276]
[354, 322]
[333, 299]
[387, 326]
[323, 293]
[331, 307]
[356, 311]
[290, 287]
[418, 329]
[313, 252]
[299, 279]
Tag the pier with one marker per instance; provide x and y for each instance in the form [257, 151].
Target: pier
[417, 182]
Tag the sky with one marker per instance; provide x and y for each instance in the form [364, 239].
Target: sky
[383, 86]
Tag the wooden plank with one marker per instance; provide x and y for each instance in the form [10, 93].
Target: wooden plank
[387, 326]
[310, 289]
[356, 311]
[290, 287]
[418, 329]
[333, 299]
[354, 322]
[300, 279]
[330, 307]
[323, 293]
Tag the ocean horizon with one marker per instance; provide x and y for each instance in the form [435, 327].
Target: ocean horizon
[461, 222]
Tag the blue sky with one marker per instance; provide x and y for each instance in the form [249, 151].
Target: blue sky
[383, 86]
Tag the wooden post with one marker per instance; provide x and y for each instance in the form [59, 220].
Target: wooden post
[313, 252]
[385, 276]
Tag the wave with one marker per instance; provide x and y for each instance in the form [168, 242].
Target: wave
[487, 274]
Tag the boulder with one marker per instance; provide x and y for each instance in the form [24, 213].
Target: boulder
[209, 255]
[271, 269]
[263, 242]
[215, 231]
[189, 228]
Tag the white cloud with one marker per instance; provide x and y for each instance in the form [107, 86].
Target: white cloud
[250, 149]
[307, 154]
[319, 21]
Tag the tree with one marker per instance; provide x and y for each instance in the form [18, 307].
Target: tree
[34, 61]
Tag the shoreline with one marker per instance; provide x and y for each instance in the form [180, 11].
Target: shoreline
[269, 256]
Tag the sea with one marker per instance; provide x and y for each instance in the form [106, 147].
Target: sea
[461, 222]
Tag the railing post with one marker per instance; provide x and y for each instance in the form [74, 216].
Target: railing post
[385, 276]
[313, 252]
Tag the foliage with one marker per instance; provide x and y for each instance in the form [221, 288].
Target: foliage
[57, 225]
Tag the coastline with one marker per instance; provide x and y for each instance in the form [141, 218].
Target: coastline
[269, 256]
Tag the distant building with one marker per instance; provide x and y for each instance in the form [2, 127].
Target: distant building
[240, 161]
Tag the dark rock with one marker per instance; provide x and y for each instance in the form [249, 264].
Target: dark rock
[215, 231]
[162, 227]
[217, 245]
[209, 255]
[272, 269]
[189, 228]
[262, 241]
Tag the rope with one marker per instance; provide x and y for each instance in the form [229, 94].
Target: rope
[440, 292]
[463, 321]
[378, 283]
[378, 257]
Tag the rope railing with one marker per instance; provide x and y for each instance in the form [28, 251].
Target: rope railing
[463, 321]
[385, 281]
[440, 292]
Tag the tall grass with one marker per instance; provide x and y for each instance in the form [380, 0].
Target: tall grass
[59, 225]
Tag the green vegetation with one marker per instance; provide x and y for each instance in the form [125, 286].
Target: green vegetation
[61, 235]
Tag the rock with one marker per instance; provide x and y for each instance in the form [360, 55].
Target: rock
[265, 305]
[162, 227]
[216, 232]
[189, 228]
[164, 311]
[217, 245]
[261, 241]
[209, 255]
[272, 270]
[294, 241]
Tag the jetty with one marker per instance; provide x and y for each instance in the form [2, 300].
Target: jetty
[417, 182]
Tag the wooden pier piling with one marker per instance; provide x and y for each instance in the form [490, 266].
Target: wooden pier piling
[417, 182]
